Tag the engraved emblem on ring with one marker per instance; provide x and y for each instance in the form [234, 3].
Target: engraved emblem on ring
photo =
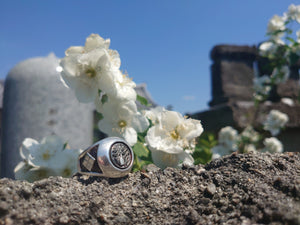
[120, 155]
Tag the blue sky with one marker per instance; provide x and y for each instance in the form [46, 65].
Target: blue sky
[163, 43]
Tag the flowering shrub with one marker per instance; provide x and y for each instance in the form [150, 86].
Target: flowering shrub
[282, 49]
[158, 135]
[93, 72]
[249, 140]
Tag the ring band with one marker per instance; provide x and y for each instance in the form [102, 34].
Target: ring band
[110, 157]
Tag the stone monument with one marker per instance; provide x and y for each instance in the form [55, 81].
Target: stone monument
[232, 74]
[37, 104]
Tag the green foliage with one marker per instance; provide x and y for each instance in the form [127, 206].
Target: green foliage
[142, 100]
[65, 145]
[142, 155]
[104, 99]
[98, 116]
[203, 153]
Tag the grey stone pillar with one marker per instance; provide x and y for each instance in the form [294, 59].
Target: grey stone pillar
[37, 104]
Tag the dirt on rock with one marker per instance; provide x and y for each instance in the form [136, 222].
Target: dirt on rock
[257, 188]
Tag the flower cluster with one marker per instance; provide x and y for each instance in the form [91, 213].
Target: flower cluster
[93, 72]
[273, 145]
[275, 121]
[282, 49]
[50, 157]
[227, 140]
[249, 140]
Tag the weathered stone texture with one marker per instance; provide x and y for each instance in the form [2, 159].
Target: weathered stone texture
[36, 104]
[232, 73]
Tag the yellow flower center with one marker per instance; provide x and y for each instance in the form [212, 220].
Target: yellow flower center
[90, 72]
[122, 123]
[174, 134]
[46, 155]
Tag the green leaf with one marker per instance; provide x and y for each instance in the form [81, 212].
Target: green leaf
[202, 156]
[204, 142]
[136, 164]
[140, 150]
[291, 40]
[142, 100]
[65, 145]
[99, 116]
[141, 137]
[104, 99]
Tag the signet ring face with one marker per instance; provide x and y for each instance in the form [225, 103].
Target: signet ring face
[110, 157]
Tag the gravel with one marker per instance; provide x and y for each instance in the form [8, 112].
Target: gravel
[243, 189]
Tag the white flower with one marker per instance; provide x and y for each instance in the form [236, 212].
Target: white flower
[267, 48]
[122, 90]
[249, 148]
[262, 85]
[23, 171]
[258, 97]
[281, 74]
[275, 121]
[41, 154]
[44, 159]
[273, 145]
[249, 135]
[90, 68]
[294, 12]
[153, 114]
[288, 101]
[122, 119]
[164, 160]
[66, 162]
[276, 23]
[172, 138]
[125, 87]
[173, 133]
[228, 137]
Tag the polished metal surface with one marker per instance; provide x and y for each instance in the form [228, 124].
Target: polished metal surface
[110, 157]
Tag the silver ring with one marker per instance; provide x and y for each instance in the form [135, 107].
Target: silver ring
[110, 157]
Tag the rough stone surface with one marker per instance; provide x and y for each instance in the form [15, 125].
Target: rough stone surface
[36, 104]
[238, 189]
[289, 89]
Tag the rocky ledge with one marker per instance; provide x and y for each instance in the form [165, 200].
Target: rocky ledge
[238, 189]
